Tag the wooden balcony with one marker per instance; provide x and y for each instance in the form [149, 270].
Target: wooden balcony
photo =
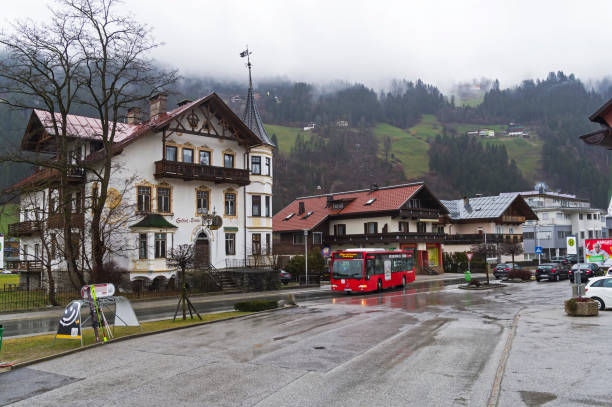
[189, 171]
[23, 228]
[27, 266]
[479, 238]
[512, 219]
[420, 213]
[400, 237]
[56, 220]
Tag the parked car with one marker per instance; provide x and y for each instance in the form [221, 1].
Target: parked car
[552, 271]
[572, 258]
[600, 289]
[285, 277]
[502, 269]
[588, 270]
[559, 259]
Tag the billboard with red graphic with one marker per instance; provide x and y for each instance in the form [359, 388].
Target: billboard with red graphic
[598, 250]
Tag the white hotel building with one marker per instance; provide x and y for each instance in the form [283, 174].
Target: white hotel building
[199, 157]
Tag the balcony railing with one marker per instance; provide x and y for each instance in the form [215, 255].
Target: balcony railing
[189, 171]
[513, 219]
[420, 213]
[385, 238]
[23, 228]
[56, 220]
[478, 238]
[25, 265]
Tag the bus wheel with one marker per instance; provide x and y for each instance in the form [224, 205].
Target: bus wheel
[379, 286]
[404, 281]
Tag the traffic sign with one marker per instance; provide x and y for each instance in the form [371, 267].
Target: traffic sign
[539, 250]
[469, 255]
[571, 245]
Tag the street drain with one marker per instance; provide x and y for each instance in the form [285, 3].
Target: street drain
[319, 347]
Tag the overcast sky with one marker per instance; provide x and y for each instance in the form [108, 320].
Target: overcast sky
[441, 42]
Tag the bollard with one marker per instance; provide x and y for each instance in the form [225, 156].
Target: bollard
[1, 333]
[468, 276]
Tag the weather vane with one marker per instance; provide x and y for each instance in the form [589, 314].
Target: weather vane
[246, 53]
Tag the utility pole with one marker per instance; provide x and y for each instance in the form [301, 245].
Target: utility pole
[306, 253]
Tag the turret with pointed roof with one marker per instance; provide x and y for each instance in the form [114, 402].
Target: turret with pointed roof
[251, 116]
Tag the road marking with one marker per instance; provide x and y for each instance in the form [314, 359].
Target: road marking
[501, 367]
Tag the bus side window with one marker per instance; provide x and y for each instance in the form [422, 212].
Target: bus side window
[370, 266]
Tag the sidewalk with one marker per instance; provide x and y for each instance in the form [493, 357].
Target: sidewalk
[230, 298]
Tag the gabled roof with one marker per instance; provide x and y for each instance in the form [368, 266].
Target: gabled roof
[154, 220]
[486, 207]
[91, 128]
[386, 199]
[598, 116]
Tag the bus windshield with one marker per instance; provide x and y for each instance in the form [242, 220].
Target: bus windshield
[347, 269]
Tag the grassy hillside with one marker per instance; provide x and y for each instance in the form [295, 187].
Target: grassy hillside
[411, 146]
[286, 135]
[8, 215]
[410, 150]
[429, 126]
[526, 153]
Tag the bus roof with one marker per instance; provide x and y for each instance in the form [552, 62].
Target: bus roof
[364, 249]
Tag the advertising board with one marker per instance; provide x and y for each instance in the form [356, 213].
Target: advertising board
[597, 250]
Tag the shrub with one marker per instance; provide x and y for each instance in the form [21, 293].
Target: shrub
[519, 273]
[255, 305]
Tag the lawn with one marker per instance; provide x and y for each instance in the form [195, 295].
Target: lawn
[410, 150]
[34, 347]
[286, 135]
[8, 279]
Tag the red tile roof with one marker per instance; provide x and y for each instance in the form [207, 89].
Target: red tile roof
[386, 199]
[82, 126]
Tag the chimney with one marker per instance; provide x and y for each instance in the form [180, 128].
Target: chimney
[134, 115]
[301, 208]
[466, 201]
[157, 105]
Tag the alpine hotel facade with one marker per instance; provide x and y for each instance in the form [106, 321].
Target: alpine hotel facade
[199, 158]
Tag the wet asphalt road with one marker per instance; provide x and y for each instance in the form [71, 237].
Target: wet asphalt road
[438, 348]
[47, 321]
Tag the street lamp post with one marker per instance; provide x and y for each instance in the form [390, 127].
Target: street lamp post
[306, 253]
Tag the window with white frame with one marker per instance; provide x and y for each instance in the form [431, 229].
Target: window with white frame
[160, 245]
[256, 165]
[317, 238]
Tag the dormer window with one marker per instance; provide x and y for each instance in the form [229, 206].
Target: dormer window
[338, 205]
[370, 201]
[289, 216]
[307, 215]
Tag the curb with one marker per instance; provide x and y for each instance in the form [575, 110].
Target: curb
[137, 335]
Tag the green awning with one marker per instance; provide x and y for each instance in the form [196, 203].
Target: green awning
[230, 229]
[154, 221]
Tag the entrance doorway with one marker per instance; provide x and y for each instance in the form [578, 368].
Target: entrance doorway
[202, 251]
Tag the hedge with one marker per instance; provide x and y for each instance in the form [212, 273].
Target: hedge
[255, 305]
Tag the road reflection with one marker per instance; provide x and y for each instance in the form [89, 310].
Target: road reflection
[411, 299]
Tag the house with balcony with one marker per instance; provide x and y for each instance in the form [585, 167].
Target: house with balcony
[391, 218]
[168, 170]
[485, 219]
[560, 215]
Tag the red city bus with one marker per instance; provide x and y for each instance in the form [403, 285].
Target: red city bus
[365, 270]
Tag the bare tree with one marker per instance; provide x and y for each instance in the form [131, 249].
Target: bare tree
[183, 257]
[91, 58]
